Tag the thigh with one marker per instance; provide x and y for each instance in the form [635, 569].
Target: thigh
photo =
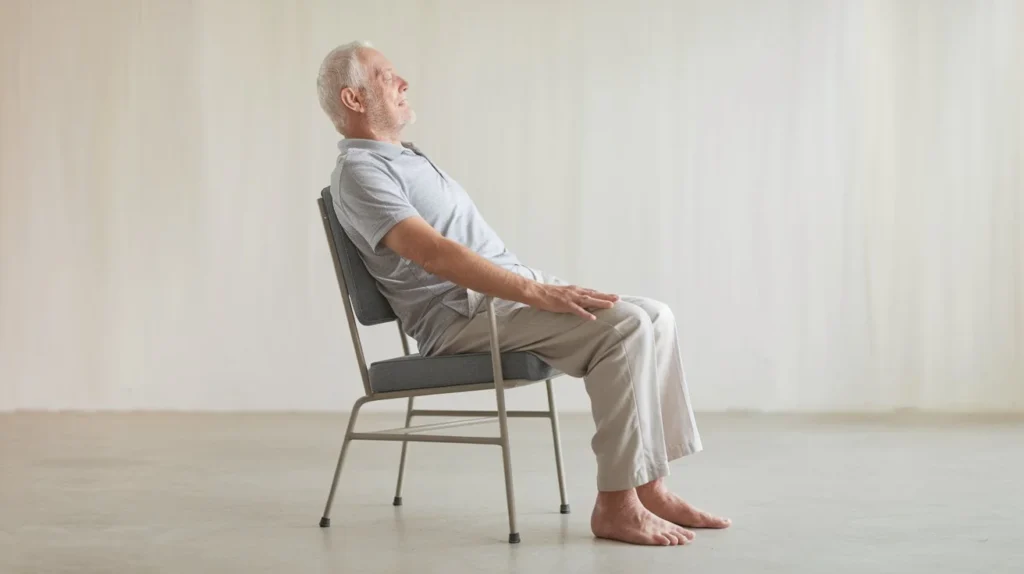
[520, 329]
[566, 342]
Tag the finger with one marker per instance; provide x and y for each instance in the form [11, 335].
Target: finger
[600, 295]
[593, 303]
[581, 312]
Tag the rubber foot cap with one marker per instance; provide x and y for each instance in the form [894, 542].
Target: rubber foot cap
[513, 538]
[564, 509]
[325, 522]
[397, 501]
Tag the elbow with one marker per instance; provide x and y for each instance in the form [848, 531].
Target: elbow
[431, 265]
[433, 258]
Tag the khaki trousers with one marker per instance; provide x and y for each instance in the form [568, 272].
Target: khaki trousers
[630, 362]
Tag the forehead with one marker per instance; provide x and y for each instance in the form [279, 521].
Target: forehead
[374, 60]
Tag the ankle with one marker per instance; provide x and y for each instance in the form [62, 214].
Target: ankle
[617, 499]
[655, 488]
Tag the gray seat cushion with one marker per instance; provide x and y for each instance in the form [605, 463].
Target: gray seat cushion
[416, 372]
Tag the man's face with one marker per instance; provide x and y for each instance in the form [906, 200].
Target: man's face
[386, 105]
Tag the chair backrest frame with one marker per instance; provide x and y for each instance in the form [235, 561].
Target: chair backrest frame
[373, 312]
[371, 307]
[343, 286]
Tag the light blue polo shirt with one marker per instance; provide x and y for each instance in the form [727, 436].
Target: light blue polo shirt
[376, 185]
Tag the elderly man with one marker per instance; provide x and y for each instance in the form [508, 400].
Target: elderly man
[436, 259]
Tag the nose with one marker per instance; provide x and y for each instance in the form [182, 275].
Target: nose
[402, 84]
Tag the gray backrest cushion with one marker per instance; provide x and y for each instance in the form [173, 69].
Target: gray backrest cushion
[370, 306]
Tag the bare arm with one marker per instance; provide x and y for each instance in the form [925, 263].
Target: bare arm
[415, 240]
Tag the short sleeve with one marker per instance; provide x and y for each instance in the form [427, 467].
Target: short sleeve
[372, 200]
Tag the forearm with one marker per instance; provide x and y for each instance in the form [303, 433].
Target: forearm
[415, 240]
[464, 267]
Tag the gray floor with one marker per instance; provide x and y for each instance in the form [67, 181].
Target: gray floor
[243, 493]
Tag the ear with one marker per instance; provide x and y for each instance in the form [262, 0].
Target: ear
[351, 100]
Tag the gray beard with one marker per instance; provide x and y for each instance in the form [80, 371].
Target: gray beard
[384, 126]
[381, 121]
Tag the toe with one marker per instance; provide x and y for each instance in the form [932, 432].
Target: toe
[707, 520]
[662, 540]
[688, 534]
[716, 521]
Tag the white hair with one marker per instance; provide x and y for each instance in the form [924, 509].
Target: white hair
[340, 69]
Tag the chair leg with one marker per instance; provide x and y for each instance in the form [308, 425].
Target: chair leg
[506, 459]
[499, 391]
[401, 461]
[553, 413]
[325, 520]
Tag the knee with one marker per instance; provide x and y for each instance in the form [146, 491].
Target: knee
[622, 330]
[626, 319]
[660, 313]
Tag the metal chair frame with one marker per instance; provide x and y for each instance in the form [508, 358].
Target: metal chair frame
[422, 433]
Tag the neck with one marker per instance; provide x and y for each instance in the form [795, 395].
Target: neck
[369, 133]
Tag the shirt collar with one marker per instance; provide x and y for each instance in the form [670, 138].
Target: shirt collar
[388, 150]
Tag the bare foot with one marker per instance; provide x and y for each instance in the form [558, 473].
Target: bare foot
[657, 498]
[620, 516]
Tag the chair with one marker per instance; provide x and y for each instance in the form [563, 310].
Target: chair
[413, 376]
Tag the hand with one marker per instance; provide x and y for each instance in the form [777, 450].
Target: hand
[570, 299]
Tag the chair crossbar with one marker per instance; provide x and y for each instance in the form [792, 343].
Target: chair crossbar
[459, 413]
[426, 438]
[438, 426]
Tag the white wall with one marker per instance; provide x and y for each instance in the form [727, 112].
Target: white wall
[828, 193]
